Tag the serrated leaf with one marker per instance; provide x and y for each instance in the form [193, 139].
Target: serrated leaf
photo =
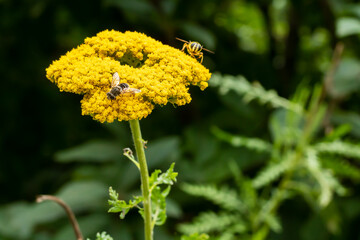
[209, 221]
[120, 205]
[224, 197]
[270, 173]
[195, 236]
[327, 182]
[240, 141]
[251, 92]
[102, 236]
[158, 206]
[169, 177]
[341, 168]
[339, 148]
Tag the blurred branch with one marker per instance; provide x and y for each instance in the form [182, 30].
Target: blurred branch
[68, 210]
[329, 77]
[328, 85]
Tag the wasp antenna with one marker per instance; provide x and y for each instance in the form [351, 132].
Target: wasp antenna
[208, 50]
[181, 40]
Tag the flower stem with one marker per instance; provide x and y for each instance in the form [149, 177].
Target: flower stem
[140, 153]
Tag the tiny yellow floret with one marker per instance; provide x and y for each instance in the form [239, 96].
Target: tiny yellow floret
[162, 73]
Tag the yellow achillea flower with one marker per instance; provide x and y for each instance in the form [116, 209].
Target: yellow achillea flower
[162, 73]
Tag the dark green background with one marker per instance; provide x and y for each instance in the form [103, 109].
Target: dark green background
[277, 43]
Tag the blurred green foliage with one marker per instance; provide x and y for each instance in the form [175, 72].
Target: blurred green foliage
[47, 147]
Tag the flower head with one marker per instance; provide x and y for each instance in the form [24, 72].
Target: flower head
[162, 73]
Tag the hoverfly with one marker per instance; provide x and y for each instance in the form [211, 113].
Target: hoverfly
[118, 88]
[194, 49]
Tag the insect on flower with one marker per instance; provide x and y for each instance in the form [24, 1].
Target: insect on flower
[118, 88]
[194, 49]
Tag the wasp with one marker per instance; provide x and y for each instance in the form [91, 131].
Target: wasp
[194, 49]
[118, 88]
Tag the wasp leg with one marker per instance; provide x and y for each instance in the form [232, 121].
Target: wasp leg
[184, 46]
[201, 56]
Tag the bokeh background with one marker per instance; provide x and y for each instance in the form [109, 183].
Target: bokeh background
[48, 147]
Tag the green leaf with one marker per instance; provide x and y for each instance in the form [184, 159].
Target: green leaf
[169, 177]
[339, 148]
[195, 236]
[163, 149]
[271, 172]
[158, 195]
[120, 205]
[346, 78]
[74, 194]
[102, 236]
[347, 26]
[224, 197]
[327, 182]
[341, 168]
[209, 221]
[286, 127]
[92, 151]
[251, 92]
[158, 206]
[338, 132]
[88, 225]
[240, 141]
[173, 208]
[351, 118]
[19, 219]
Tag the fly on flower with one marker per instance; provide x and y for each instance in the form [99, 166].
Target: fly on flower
[118, 88]
[194, 49]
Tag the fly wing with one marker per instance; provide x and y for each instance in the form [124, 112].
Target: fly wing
[131, 90]
[115, 80]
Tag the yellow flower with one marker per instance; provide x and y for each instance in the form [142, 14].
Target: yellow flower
[162, 73]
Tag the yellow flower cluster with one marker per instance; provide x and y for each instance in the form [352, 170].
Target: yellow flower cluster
[162, 73]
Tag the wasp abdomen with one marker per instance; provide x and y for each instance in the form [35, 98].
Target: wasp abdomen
[195, 46]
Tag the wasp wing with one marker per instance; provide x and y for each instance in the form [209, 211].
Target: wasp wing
[115, 80]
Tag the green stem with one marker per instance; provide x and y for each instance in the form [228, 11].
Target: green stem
[140, 153]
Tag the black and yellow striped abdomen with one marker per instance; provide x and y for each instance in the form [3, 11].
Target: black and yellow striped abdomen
[195, 47]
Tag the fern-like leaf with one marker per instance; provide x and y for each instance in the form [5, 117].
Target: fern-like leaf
[251, 92]
[102, 236]
[339, 148]
[195, 236]
[341, 168]
[271, 173]
[223, 197]
[328, 183]
[210, 222]
[240, 141]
